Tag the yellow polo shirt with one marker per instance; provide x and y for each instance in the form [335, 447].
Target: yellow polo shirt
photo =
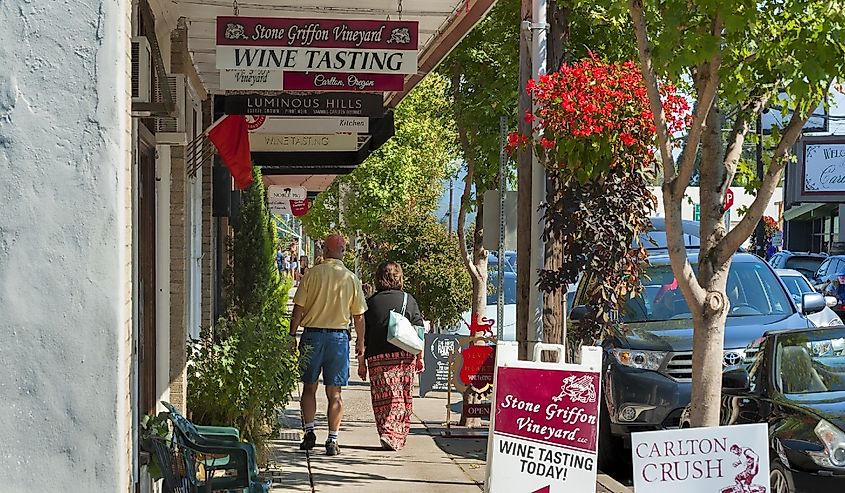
[329, 295]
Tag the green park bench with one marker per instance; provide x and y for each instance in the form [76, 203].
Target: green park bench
[206, 459]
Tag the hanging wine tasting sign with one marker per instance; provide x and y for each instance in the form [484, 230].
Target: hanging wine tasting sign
[317, 45]
[302, 104]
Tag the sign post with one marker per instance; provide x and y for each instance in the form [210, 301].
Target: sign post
[500, 281]
[544, 422]
[729, 202]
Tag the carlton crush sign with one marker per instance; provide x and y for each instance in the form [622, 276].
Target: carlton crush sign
[725, 459]
[317, 45]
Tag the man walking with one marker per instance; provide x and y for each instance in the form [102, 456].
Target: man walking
[327, 297]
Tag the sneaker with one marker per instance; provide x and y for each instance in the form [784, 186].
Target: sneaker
[332, 448]
[309, 441]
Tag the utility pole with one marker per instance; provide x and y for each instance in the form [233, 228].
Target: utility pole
[523, 189]
[531, 184]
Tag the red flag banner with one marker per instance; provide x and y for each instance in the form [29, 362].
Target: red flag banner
[231, 138]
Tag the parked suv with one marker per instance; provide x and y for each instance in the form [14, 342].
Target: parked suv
[805, 263]
[830, 280]
[647, 366]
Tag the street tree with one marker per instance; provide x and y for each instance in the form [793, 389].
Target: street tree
[405, 172]
[483, 74]
[428, 254]
[738, 55]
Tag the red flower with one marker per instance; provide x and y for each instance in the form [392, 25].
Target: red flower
[627, 139]
[529, 117]
[546, 143]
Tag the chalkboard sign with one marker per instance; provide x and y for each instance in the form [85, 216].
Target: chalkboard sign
[435, 378]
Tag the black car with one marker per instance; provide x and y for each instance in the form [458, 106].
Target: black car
[830, 280]
[795, 381]
[803, 262]
[647, 363]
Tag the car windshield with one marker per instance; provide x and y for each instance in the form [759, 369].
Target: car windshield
[811, 362]
[805, 265]
[753, 290]
[797, 286]
[657, 240]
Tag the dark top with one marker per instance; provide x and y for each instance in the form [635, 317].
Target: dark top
[377, 316]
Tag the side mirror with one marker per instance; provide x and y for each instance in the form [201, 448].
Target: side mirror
[735, 378]
[812, 303]
[831, 301]
[578, 313]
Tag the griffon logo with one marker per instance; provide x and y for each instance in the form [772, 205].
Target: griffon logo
[400, 35]
[235, 31]
[578, 389]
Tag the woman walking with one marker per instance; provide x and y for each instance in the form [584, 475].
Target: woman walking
[391, 369]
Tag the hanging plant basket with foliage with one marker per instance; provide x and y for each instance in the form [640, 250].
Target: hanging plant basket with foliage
[594, 131]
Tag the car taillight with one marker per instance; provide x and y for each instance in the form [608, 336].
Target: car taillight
[841, 307]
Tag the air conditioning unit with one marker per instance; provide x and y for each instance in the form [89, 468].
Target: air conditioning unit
[172, 129]
[142, 61]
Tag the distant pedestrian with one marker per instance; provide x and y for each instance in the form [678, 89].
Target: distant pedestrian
[280, 260]
[368, 289]
[294, 269]
[287, 264]
[303, 265]
[328, 299]
[390, 368]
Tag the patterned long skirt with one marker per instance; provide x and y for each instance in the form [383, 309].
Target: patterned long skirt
[391, 386]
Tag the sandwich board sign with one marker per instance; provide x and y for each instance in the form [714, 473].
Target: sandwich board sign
[544, 422]
[720, 459]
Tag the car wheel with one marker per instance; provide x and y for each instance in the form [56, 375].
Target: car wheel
[780, 479]
[611, 453]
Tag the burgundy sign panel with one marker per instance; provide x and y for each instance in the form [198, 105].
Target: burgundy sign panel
[317, 33]
[327, 81]
[553, 406]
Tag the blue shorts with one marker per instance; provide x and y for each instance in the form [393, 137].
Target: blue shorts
[327, 352]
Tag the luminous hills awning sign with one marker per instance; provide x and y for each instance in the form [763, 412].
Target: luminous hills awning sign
[317, 45]
[306, 104]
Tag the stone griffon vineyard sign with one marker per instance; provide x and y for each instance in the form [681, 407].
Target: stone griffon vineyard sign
[319, 45]
[544, 430]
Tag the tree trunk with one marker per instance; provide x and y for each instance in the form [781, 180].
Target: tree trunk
[707, 357]
[479, 293]
[475, 264]
[479, 261]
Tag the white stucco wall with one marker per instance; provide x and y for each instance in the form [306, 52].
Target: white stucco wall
[65, 246]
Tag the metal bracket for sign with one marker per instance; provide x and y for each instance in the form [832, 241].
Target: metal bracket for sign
[534, 26]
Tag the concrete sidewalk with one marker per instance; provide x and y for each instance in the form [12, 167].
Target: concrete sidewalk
[428, 463]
